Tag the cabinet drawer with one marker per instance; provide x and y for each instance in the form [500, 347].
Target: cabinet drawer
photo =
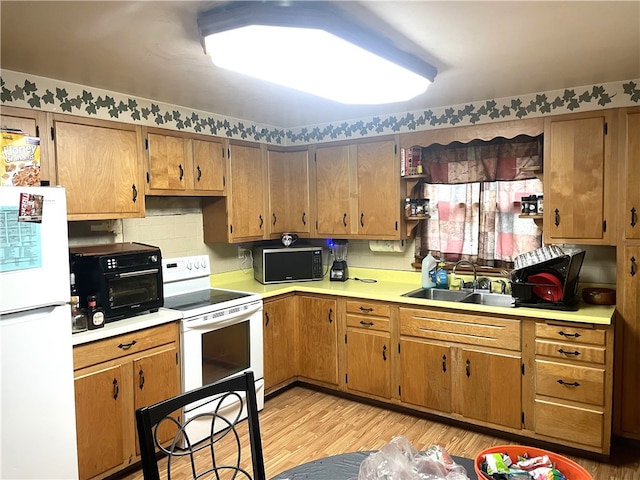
[122, 345]
[461, 328]
[368, 322]
[569, 333]
[367, 308]
[579, 425]
[567, 351]
[570, 382]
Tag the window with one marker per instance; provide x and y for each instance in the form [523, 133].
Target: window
[474, 193]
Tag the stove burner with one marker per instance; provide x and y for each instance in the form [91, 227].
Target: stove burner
[201, 298]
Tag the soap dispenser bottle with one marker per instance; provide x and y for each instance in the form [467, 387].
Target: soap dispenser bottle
[442, 277]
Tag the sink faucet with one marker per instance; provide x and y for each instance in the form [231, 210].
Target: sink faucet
[473, 267]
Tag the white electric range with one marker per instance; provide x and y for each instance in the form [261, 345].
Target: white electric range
[221, 330]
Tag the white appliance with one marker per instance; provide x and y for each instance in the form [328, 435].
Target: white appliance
[37, 401]
[221, 333]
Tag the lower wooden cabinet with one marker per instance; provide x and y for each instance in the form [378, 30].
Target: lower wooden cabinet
[279, 330]
[368, 346]
[114, 377]
[318, 338]
[449, 364]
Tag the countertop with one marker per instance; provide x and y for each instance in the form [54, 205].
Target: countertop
[127, 325]
[389, 287]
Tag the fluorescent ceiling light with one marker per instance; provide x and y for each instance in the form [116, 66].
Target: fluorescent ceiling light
[311, 48]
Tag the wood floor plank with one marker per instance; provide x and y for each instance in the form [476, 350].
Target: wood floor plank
[300, 425]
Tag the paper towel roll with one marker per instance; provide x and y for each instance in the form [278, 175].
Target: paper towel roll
[397, 246]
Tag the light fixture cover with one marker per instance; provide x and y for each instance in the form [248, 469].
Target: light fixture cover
[302, 49]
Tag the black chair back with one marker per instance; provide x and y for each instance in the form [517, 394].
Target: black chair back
[160, 426]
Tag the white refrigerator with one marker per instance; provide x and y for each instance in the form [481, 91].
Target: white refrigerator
[37, 400]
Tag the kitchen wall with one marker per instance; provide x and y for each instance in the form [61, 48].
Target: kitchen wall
[175, 225]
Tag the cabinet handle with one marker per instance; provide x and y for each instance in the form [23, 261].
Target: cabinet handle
[444, 363]
[568, 384]
[116, 389]
[633, 266]
[362, 219]
[557, 217]
[468, 368]
[572, 335]
[141, 378]
[199, 172]
[135, 193]
[633, 217]
[366, 309]
[330, 313]
[366, 324]
[384, 353]
[181, 171]
[344, 219]
[304, 218]
[261, 221]
[266, 316]
[274, 218]
[127, 346]
[563, 352]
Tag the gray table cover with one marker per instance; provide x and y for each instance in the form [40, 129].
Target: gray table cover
[344, 467]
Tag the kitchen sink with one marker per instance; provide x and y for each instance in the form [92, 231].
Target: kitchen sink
[463, 296]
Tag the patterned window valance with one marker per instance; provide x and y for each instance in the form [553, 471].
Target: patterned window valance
[483, 161]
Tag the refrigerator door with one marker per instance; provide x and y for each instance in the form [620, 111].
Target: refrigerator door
[37, 415]
[34, 257]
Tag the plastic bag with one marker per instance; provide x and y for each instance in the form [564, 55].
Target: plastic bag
[399, 460]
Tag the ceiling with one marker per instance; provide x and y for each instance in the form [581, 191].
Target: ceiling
[482, 50]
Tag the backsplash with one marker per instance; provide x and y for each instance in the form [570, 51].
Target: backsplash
[174, 224]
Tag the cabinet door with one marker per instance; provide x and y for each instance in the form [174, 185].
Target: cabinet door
[167, 162]
[630, 339]
[99, 165]
[279, 327]
[490, 387]
[574, 176]
[288, 192]
[334, 192]
[378, 190]
[369, 362]
[425, 374]
[100, 421]
[209, 170]
[631, 214]
[156, 377]
[246, 191]
[34, 123]
[317, 335]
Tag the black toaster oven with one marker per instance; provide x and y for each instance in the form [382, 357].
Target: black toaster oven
[125, 277]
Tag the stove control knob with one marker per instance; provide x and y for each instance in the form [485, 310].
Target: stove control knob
[189, 265]
[204, 263]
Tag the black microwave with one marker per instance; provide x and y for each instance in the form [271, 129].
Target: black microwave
[290, 264]
[126, 278]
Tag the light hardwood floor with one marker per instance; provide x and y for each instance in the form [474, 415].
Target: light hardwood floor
[301, 424]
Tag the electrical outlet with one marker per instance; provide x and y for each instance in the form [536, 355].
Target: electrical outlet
[242, 253]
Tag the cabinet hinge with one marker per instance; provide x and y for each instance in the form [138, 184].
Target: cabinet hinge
[604, 226]
[146, 144]
[53, 134]
[606, 128]
[522, 368]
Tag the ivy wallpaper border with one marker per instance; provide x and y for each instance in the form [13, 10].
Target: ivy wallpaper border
[41, 93]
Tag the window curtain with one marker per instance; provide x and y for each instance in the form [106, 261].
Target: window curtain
[475, 191]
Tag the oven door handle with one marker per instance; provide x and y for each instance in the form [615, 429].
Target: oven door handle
[137, 274]
[220, 322]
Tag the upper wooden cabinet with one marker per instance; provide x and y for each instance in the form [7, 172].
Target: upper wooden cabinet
[579, 179]
[358, 191]
[34, 123]
[100, 165]
[630, 153]
[240, 216]
[288, 193]
[182, 165]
